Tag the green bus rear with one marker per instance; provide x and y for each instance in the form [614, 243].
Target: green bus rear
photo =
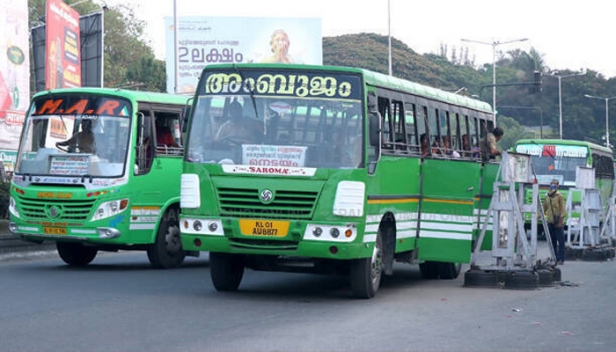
[93, 174]
[334, 179]
[558, 159]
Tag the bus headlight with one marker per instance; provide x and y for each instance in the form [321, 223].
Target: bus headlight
[13, 207]
[109, 209]
[349, 199]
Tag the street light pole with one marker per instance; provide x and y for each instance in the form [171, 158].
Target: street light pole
[494, 44]
[389, 34]
[607, 116]
[560, 98]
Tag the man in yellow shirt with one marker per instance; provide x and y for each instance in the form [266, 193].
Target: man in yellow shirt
[554, 208]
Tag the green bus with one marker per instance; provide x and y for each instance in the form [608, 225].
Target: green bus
[327, 174]
[559, 158]
[93, 174]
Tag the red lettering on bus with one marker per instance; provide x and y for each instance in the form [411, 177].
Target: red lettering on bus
[50, 106]
[77, 108]
[108, 108]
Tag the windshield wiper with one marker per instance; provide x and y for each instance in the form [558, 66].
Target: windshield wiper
[252, 93]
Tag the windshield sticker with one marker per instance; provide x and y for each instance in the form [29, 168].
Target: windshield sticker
[281, 107]
[273, 155]
[265, 170]
[69, 165]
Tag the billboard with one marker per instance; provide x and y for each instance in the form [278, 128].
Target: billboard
[14, 75]
[208, 40]
[63, 68]
[91, 34]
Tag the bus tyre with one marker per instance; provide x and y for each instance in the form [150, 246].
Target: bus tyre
[449, 271]
[429, 270]
[226, 271]
[167, 252]
[366, 272]
[76, 254]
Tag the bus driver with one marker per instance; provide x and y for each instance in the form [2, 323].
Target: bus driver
[82, 142]
[237, 129]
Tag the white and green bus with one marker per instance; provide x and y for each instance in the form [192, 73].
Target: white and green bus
[92, 174]
[559, 159]
[333, 177]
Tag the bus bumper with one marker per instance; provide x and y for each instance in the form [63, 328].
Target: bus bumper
[300, 241]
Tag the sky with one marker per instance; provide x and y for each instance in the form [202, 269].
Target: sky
[571, 35]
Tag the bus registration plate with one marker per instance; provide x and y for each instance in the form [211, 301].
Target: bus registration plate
[264, 228]
[54, 230]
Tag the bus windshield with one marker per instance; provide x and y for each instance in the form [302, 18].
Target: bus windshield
[269, 127]
[555, 161]
[75, 135]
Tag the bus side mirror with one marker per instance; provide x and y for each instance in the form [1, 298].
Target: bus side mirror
[375, 129]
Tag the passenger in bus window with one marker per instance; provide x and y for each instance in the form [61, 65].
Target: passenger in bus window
[469, 152]
[425, 148]
[447, 147]
[164, 137]
[437, 146]
[488, 145]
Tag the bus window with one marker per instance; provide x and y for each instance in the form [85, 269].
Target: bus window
[411, 127]
[399, 126]
[388, 125]
[433, 127]
[422, 129]
[168, 134]
[145, 144]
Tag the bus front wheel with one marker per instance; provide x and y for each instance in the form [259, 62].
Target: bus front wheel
[366, 272]
[166, 252]
[76, 254]
[226, 271]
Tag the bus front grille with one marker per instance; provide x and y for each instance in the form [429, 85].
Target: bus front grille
[56, 210]
[246, 203]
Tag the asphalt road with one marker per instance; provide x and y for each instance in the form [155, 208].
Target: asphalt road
[119, 303]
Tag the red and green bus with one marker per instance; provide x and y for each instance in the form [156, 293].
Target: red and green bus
[92, 174]
[332, 178]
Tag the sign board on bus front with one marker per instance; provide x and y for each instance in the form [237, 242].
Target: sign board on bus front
[571, 151]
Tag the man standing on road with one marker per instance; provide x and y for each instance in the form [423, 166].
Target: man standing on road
[554, 208]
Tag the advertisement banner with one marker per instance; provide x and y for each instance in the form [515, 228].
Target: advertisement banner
[14, 72]
[210, 40]
[63, 68]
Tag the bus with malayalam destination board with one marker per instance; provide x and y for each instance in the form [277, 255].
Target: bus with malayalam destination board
[99, 169]
[559, 158]
[331, 170]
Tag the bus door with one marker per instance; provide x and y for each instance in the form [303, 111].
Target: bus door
[449, 184]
